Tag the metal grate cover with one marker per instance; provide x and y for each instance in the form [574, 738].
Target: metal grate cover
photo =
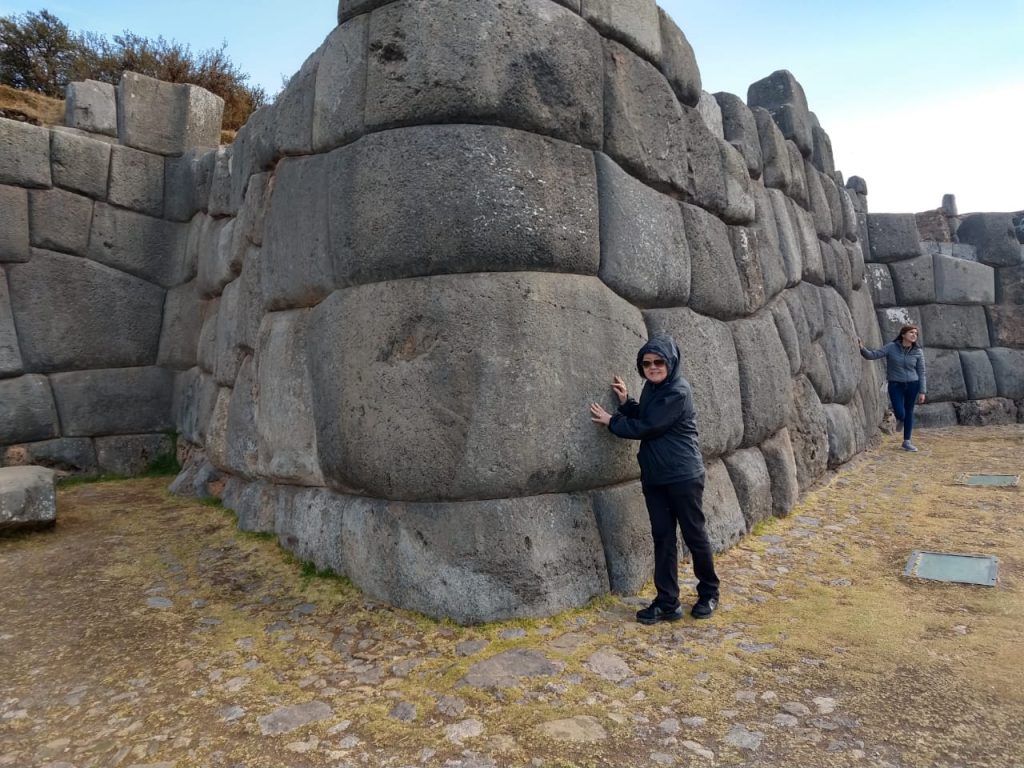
[961, 569]
[993, 481]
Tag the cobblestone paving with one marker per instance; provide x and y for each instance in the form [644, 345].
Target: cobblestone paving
[146, 632]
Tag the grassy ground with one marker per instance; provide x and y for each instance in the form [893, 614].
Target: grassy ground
[33, 107]
[822, 650]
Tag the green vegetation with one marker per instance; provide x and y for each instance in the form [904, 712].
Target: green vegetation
[39, 53]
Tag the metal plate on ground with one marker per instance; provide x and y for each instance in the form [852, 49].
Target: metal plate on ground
[961, 569]
[991, 481]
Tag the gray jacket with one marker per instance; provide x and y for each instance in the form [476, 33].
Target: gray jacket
[900, 364]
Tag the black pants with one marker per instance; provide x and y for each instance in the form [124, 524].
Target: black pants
[679, 504]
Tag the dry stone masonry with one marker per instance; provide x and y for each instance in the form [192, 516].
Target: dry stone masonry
[377, 318]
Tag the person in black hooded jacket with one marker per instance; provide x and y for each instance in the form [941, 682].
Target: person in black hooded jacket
[671, 474]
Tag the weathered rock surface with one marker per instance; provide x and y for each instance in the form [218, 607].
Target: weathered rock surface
[27, 498]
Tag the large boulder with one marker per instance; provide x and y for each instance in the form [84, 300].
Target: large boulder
[945, 375]
[808, 433]
[625, 529]
[752, 483]
[541, 70]
[166, 118]
[678, 63]
[114, 402]
[982, 413]
[994, 238]
[431, 200]
[725, 523]
[1008, 367]
[765, 382]
[394, 361]
[784, 98]
[24, 154]
[91, 106]
[740, 130]
[953, 326]
[780, 463]
[60, 220]
[842, 435]
[28, 498]
[137, 180]
[106, 318]
[27, 412]
[644, 253]
[14, 227]
[10, 352]
[74, 455]
[958, 281]
[1006, 324]
[284, 410]
[130, 455]
[634, 23]
[147, 247]
[715, 286]
[914, 280]
[80, 163]
[979, 378]
[339, 99]
[892, 236]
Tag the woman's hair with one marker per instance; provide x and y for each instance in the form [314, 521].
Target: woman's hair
[904, 329]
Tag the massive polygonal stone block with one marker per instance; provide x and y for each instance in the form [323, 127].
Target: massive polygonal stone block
[678, 63]
[24, 154]
[893, 236]
[810, 246]
[635, 23]
[218, 263]
[781, 465]
[14, 228]
[784, 99]
[10, 352]
[982, 413]
[644, 253]
[228, 353]
[994, 237]
[114, 401]
[777, 167]
[935, 415]
[446, 199]
[788, 238]
[711, 114]
[883, 293]
[28, 498]
[91, 106]
[106, 318]
[958, 281]
[914, 280]
[166, 118]
[712, 368]
[292, 119]
[768, 245]
[27, 412]
[765, 383]
[75, 455]
[978, 375]
[746, 251]
[788, 334]
[808, 433]
[945, 375]
[752, 483]
[625, 529]
[1009, 283]
[130, 455]
[80, 163]
[839, 343]
[396, 360]
[1006, 324]
[740, 130]
[723, 517]
[954, 327]
[1008, 367]
[296, 268]
[137, 180]
[195, 395]
[717, 178]
[150, 248]
[820, 210]
[645, 129]
[60, 220]
[182, 321]
[340, 86]
[475, 560]
[715, 286]
[540, 70]
[242, 445]
[284, 412]
[842, 442]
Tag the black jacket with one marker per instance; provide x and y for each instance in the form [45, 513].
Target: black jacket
[664, 421]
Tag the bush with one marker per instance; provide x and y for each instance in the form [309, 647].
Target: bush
[39, 53]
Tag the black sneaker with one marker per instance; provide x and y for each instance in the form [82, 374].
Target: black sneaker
[704, 607]
[654, 613]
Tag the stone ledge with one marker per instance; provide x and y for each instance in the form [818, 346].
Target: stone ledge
[28, 499]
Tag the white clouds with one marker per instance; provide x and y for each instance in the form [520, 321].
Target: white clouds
[968, 144]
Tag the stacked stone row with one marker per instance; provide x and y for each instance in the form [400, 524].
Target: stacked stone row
[968, 299]
[417, 268]
[90, 249]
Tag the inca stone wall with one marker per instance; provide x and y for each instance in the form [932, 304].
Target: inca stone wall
[92, 258]
[968, 298]
[396, 293]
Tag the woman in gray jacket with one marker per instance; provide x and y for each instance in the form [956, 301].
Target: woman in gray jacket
[904, 366]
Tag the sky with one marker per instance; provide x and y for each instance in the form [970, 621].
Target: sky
[920, 97]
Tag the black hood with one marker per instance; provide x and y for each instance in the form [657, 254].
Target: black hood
[664, 347]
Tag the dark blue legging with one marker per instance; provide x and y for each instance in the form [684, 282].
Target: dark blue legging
[903, 396]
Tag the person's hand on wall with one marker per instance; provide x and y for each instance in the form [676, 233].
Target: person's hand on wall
[920, 398]
[860, 343]
[599, 415]
[619, 388]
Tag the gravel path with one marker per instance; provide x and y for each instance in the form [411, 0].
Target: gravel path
[146, 632]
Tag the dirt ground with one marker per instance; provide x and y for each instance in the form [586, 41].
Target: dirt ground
[145, 630]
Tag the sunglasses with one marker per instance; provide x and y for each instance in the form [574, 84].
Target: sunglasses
[653, 363]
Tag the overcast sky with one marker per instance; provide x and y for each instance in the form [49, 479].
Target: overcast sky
[920, 97]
